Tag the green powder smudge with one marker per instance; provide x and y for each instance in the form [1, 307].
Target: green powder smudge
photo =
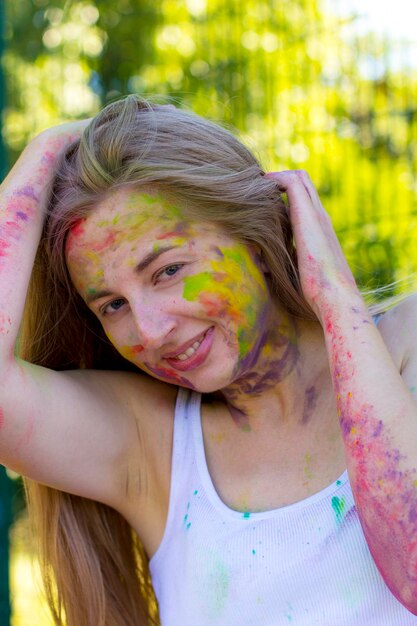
[194, 285]
[338, 506]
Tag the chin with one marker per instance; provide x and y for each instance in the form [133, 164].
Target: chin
[210, 382]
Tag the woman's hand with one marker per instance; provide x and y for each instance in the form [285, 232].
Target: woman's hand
[324, 272]
[56, 139]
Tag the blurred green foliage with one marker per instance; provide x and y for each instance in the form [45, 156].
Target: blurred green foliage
[304, 87]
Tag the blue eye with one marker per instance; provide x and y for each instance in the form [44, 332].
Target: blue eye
[171, 270]
[113, 306]
[168, 271]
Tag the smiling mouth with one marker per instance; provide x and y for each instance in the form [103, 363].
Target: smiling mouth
[194, 355]
[189, 352]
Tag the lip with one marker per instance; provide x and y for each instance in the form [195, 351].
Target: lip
[197, 358]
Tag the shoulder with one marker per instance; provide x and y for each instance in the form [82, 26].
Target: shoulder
[398, 328]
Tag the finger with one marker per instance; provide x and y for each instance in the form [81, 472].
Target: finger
[297, 192]
[298, 186]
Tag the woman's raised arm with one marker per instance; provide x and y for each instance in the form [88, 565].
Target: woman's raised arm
[374, 395]
[76, 431]
[23, 197]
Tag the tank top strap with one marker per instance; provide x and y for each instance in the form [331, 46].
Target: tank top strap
[183, 464]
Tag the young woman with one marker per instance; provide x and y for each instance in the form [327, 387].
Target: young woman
[187, 375]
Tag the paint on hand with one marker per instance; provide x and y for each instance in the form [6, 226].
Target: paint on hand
[386, 495]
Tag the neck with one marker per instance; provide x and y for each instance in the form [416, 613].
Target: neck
[284, 375]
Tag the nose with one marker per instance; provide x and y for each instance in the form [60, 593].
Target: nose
[153, 326]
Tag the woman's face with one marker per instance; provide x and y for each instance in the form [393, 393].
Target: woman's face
[182, 301]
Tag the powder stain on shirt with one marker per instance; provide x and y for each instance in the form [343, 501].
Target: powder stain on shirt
[339, 507]
[218, 579]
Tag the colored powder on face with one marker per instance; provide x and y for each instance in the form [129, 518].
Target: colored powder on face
[108, 241]
[338, 506]
[78, 228]
[180, 230]
[1, 418]
[195, 285]
[235, 288]
[167, 374]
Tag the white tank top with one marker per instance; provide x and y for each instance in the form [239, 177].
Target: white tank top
[306, 564]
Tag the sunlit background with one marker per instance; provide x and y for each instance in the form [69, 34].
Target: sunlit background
[325, 85]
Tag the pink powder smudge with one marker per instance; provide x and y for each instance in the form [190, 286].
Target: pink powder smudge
[167, 235]
[385, 494]
[78, 228]
[22, 216]
[27, 192]
[1, 418]
[105, 243]
[4, 246]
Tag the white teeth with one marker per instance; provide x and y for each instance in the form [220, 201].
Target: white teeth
[189, 352]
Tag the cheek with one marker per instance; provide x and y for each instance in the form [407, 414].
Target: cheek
[236, 293]
[126, 344]
[131, 353]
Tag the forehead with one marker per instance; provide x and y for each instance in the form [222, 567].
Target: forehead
[126, 222]
[126, 211]
[126, 216]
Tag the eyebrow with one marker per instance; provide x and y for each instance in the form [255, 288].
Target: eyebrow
[140, 267]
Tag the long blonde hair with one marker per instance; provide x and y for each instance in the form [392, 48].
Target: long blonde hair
[93, 566]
